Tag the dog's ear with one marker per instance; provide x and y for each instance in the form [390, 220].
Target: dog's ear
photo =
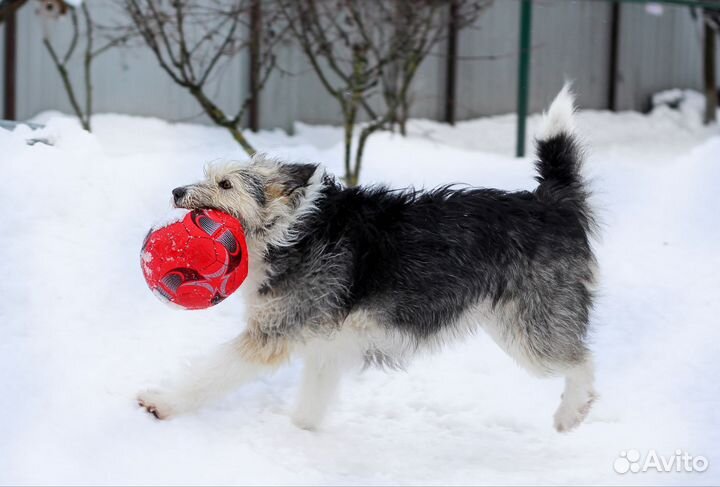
[298, 175]
[290, 178]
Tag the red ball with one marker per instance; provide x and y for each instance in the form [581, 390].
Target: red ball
[196, 262]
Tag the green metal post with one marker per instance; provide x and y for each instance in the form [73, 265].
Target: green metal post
[523, 74]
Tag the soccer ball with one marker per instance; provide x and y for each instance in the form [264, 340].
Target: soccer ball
[196, 262]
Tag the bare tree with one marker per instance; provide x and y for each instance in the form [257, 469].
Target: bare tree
[193, 39]
[416, 28]
[97, 39]
[361, 48]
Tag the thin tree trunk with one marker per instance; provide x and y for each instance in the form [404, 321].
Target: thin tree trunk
[65, 77]
[87, 65]
[348, 127]
[404, 110]
[711, 89]
[240, 138]
[403, 105]
[217, 116]
[365, 133]
[350, 111]
[88, 94]
[362, 140]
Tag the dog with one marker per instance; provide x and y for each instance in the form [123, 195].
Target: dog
[346, 277]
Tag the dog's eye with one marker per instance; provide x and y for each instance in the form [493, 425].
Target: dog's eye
[225, 184]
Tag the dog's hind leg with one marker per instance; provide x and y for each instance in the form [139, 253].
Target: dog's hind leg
[550, 344]
[578, 396]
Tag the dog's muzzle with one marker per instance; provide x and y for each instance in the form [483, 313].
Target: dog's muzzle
[178, 194]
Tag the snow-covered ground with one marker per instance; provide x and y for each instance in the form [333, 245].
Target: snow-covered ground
[80, 333]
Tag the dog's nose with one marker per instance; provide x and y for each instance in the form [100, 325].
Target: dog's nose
[179, 193]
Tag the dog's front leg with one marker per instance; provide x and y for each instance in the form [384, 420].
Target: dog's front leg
[234, 363]
[319, 386]
[326, 361]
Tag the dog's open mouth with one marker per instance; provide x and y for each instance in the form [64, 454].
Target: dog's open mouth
[184, 206]
[188, 205]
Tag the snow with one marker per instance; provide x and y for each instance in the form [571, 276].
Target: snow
[80, 334]
[171, 216]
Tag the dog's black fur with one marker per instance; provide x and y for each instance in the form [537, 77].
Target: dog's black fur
[420, 260]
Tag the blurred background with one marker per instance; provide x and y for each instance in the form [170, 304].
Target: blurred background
[618, 53]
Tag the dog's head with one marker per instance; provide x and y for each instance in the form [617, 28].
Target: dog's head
[264, 195]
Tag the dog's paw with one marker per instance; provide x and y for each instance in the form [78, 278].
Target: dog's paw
[157, 403]
[305, 421]
[571, 413]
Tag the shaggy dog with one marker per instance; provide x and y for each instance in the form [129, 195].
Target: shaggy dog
[345, 277]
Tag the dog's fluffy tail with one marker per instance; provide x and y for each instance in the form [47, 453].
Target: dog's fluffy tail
[558, 151]
[559, 157]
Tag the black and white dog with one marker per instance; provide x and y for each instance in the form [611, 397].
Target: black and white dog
[351, 276]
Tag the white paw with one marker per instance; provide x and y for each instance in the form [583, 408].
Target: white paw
[572, 412]
[157, 403]
[305, 421]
